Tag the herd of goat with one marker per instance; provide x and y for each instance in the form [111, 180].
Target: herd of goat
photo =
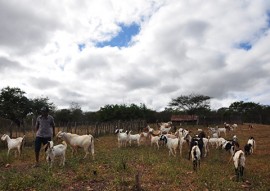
[198, 143]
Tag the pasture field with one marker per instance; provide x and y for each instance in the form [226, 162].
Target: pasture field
[117, 168]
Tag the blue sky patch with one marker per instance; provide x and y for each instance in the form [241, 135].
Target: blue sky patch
[81, 47]
[268, 18]
[123, 38]
[244, 45]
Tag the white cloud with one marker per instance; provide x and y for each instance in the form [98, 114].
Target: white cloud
[183, 47]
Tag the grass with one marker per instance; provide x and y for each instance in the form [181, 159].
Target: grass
[115, 169]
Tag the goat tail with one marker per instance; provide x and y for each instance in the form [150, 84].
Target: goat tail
[241, 159]
[92, 147]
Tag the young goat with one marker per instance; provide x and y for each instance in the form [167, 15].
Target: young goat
[155, 140]
[247, 149]
[196, 141]
[122, 138]
[253, 144]
[165, 127]
[55, 151]
[213, 142]
[75, 141]
[195, 156]
[14, 143]
[221, 130]
[227, 126]
[172, 144]
[134, 137]
[230, 146]
[250, 146]
[239, 164]
[181, 134]
[234, 126]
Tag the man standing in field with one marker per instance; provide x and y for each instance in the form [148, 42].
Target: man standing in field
[45, 130]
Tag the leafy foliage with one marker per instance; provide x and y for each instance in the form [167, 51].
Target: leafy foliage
[191, 104]
[123, 112]
[14, 105]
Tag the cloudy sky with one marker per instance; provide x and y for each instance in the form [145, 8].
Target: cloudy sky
[102, 52]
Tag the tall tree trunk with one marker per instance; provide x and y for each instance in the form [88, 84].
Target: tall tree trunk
[10, 129]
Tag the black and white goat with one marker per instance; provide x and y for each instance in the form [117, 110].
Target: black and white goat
[239, 160]
[231, 146]
[172, 144]
[250, 146]
[195, 156]
[55, 151]
[196, 141]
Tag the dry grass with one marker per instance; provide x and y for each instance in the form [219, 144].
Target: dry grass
[115, 169]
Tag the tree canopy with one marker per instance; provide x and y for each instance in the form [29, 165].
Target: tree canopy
[191, 104]
[14, 105]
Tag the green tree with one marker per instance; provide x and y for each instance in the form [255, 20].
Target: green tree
[76, 112]
[266, 114]
[14, 106]
[250, 111]
[38, 103]
[124, 112]
[191, 104]
[63, 116]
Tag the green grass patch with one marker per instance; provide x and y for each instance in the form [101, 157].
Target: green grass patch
[115, 168]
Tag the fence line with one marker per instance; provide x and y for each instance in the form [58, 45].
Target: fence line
[84, 127]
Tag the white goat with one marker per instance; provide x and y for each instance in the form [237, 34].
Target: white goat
[172, 144]
[212, 129]
[83, 141]
[135, 137]
[215, 135]
[182, 140]
[213, 142]
[239, 160]
[221, 141]
[165, 127]
[150, 129]
[221, 130]
[182, 133]
[155, 140]
[55, 151]
[122, 138]
[13, 143]
[195, 156]
[206, 146]
[234, 126]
